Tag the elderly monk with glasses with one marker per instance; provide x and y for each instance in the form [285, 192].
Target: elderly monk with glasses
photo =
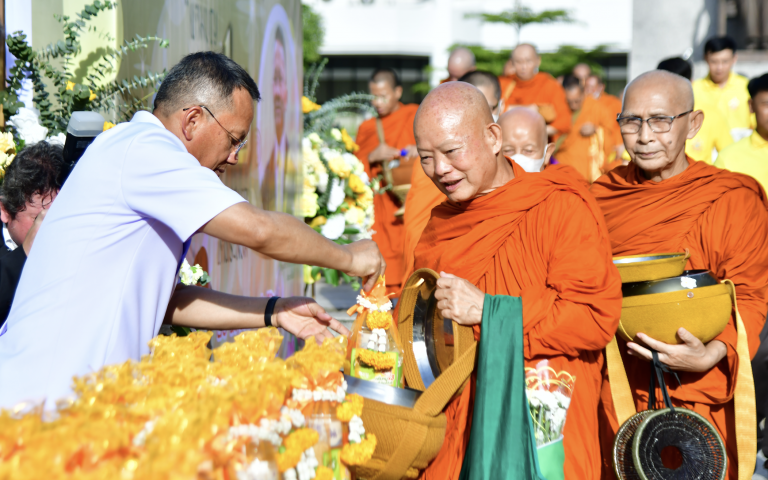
[664, 201]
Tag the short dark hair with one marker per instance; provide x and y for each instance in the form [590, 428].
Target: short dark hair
[203, 78]
[480, 78]
[386, 75]
[37, 169]
[569, 82]
[757, 85]
[676, 65]
[718, 44]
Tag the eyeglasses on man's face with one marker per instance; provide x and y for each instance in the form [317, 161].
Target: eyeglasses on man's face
[237, 144]
[657, 123]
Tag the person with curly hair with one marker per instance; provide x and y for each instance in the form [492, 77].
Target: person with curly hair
[31, 184]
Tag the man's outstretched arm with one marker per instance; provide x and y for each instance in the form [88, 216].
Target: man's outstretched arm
[285, 238]
[198, 307]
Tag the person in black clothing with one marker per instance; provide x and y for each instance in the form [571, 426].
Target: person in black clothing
[31, 183]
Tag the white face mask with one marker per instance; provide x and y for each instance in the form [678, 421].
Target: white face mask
[530, 165]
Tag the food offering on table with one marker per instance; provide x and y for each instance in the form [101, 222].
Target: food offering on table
[177, 414]
[375, 352]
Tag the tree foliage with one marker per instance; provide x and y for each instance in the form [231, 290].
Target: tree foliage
[55, 63]
[314, 33]
[521, 16]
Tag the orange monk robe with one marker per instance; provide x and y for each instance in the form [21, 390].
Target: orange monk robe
[590, 155]
[422, 198]
[611, 103]
[390, 231]
[541, 237]
[720, 217]
[544, 91]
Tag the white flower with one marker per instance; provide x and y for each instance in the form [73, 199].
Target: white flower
[372, 306]
[363, 176]
[336, 134]
[296, 417]
[356, 429]
[315, 139]
[354, 164]
[190, 275]
[334, 227]
[28, 126]
[688, 282]
[290, 474]
[257, 470]
[58, 139]
[337, 195]
[563, 400]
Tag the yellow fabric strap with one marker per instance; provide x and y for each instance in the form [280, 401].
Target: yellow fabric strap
[623, 403]
[431, 403]
[744, 399]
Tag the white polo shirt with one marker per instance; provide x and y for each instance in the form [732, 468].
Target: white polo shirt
[103, 266]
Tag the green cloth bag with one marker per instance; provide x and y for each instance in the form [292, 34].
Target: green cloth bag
[501, 442]
[551, 460]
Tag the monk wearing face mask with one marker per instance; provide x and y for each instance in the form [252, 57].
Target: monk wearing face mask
[503, 231]
[664, 201]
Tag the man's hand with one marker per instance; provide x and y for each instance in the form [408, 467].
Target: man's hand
[366, 261]
[691, 356]
[588, 129]
[383, 153]
[32, 233]
[459, 300]
[304, 318]
[412, 152]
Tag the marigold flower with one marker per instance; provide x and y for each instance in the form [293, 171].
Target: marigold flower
[379, 320]
[108, 125]
[378, 360]
[353, 405]
[323, 473]
[288, 459]
[354, 454]
[356, 184]
[301, 439]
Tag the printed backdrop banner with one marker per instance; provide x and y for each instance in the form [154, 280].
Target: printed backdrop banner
[264, 36]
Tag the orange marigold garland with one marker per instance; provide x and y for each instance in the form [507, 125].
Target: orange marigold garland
[380, 361]
[354, 454]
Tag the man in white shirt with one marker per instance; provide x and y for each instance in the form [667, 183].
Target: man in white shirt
[101, 276]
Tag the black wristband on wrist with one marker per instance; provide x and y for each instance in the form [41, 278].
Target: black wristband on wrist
[269, 311]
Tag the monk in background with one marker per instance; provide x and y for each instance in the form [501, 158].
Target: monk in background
[594, 137]
[460, 62]
[664, 201]
[536, 90]
[423, 195]
[595, 87]
[397, 144]
[503, 231]
[581, 71]
[524, 140]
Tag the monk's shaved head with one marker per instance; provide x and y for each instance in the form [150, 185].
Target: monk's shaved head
[524, 132]
[526, 61]
[667, 98]
[460, 62]
[662, 81]
[459, 145]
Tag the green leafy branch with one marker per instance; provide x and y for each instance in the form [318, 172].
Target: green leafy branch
[54, 62]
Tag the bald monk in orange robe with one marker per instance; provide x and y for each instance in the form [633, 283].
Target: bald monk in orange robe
[595, 88]
[537, 90]
[503, 231]
[594, 136]
[665, 202]
[397, 122]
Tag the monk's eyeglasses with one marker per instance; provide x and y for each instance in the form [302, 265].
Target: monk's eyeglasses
[237, 144]
[657, 124]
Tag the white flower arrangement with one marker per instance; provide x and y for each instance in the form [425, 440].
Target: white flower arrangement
[549, 397]
[688, 282]
[27, 124]
[190, 275]
[372, 306]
